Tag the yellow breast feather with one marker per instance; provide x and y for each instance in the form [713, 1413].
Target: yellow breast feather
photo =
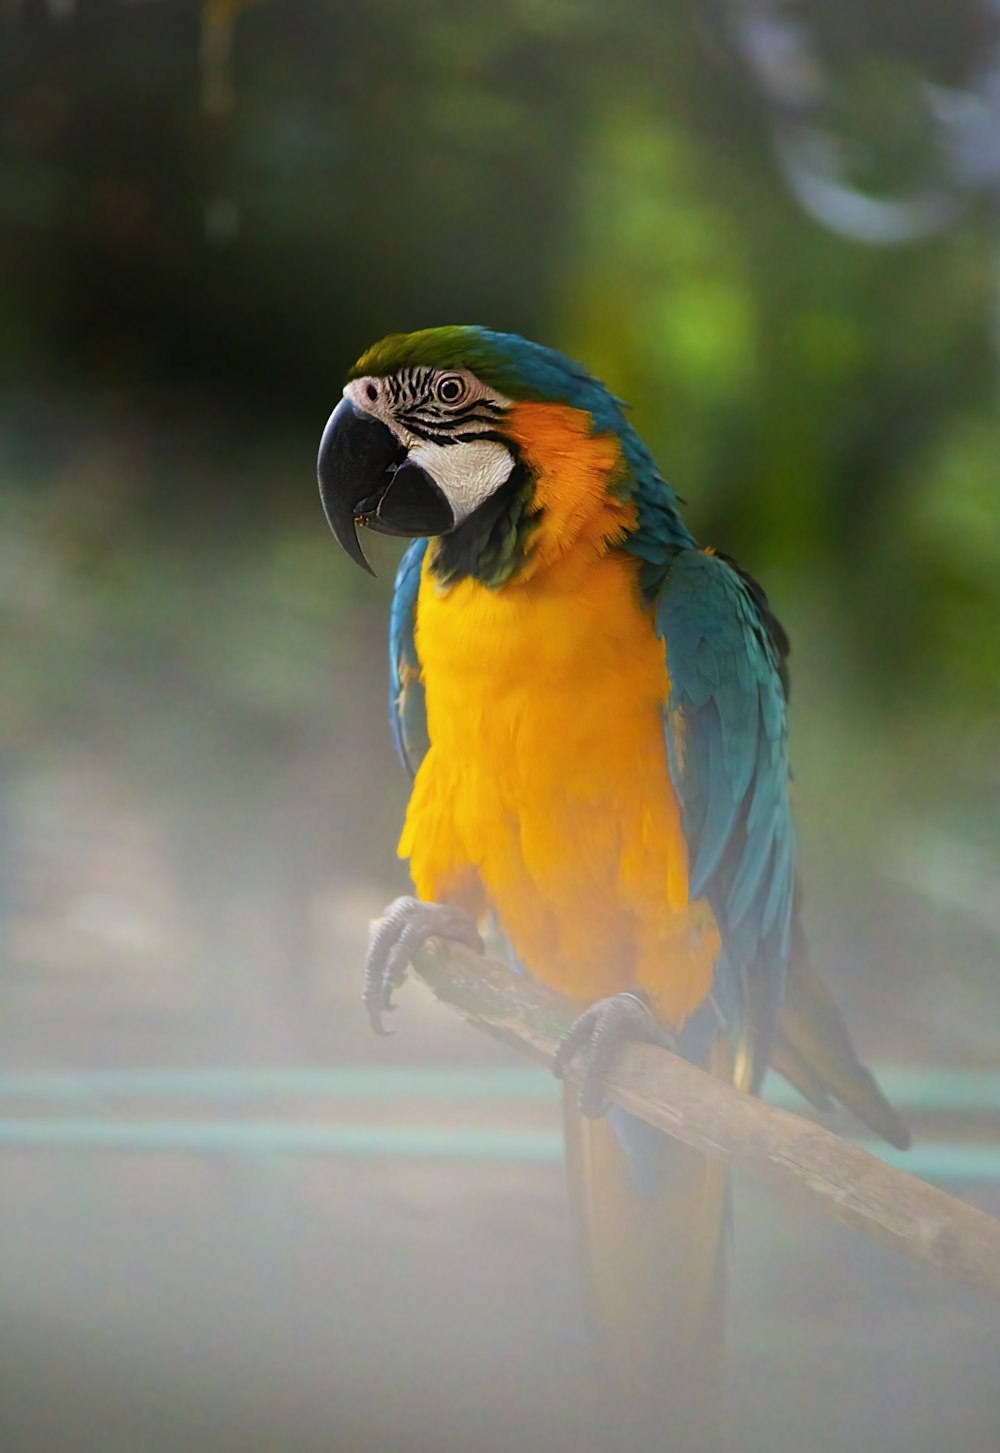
[546, 792]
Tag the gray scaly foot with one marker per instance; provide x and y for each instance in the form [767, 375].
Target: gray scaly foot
[404, 928]
[597, 1037]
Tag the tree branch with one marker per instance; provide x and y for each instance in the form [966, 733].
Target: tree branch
[772, 1145]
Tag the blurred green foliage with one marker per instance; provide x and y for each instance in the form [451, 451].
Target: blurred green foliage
[207, 211]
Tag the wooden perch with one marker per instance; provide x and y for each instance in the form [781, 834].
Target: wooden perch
[773, 1145]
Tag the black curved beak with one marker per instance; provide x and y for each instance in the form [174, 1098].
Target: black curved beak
[365, 478]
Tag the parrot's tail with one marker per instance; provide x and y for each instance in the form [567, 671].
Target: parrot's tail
[813, 1049]
[653, 1248]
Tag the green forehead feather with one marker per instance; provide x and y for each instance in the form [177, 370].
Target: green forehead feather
[477, 349]
[430, 347]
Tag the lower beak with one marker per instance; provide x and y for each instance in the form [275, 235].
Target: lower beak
[366, 478]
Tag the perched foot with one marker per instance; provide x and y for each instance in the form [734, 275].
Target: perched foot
[598, 1035]
[404, 928]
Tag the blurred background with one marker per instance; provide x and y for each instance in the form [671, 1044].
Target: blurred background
[229, 1218]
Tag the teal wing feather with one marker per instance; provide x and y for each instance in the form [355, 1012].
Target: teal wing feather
[407, 707]
[728, 754]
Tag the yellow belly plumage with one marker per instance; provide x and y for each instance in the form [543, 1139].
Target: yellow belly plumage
[546, 794]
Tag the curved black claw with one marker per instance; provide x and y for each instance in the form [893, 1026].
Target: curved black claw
[394, 938]
[598, 1035]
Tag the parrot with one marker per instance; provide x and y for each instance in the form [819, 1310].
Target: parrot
[592, 709]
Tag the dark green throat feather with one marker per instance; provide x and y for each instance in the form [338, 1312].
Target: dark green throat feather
[492, 545]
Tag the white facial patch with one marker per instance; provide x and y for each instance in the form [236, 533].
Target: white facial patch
[466, 474]
[467, 471]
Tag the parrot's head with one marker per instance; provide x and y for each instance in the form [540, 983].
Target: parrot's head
[436, 435]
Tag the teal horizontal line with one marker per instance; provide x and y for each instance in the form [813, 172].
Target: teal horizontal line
[931, 1160]
[248, 1137]
[935, 1160]
[347, 1082]
[930, 1089]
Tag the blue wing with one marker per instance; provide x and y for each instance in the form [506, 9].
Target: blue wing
[407, 707]
[727, 748]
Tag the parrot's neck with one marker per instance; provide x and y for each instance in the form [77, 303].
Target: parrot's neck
[572, 491]
[563, 498]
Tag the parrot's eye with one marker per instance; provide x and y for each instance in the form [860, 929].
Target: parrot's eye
[372, 391]
[449, 388]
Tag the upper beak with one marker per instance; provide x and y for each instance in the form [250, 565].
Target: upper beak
[365, 478]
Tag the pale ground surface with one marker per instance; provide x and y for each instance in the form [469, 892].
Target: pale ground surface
[159, 1303]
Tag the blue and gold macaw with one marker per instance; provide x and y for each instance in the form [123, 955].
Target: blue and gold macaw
[593, 711]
